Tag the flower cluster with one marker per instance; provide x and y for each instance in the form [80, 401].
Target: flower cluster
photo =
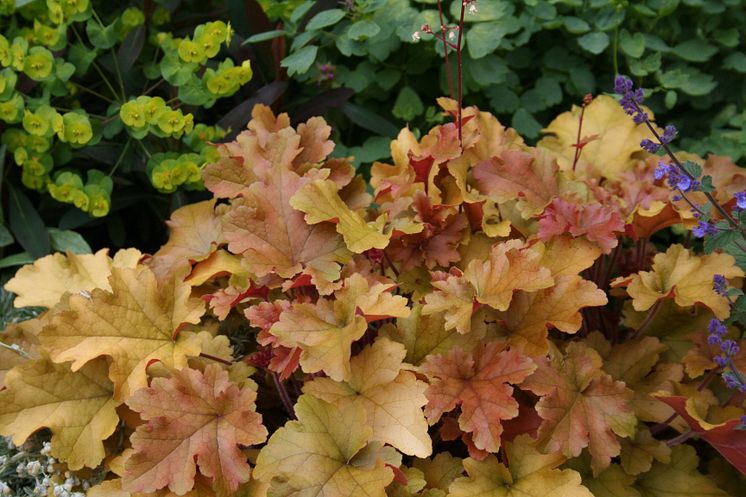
[632, 98]
[676, 178]
[30, 470]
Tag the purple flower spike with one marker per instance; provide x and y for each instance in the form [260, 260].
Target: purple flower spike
[716, 327]
[661, 170]
[622, 84]
[720, 285]
[703, 229]
[669, 133]
[649, 145]
[721, 361]
[741, 200]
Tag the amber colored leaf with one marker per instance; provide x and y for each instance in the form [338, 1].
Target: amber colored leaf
[324, 453]
[683, 276]
[724, 435]
[679, 478]
[530, 314]
[613, 150]
[530, 474]
[581, 406]
[392, 396]
[136, 323]
[44, 282]
[320, 202]
[530, 177]
[195, 232]
[274, 238]
[77, 407]
[479, 383]
[193, 419]
[510, 267]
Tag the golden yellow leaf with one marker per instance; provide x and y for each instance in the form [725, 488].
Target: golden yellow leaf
[326, 452]
[77, 407]
[683, 276]
[617, 138]
[392, 396]
[49, 278]
[134, 324]
[530, 474]
[320, 201]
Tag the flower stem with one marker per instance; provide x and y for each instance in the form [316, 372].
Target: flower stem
[445, 51]
[284, 395]
[458, 64]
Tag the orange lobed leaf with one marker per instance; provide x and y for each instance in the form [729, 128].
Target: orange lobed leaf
[479, 383]
[581, 405]
[195, 232]
[529, 177]
[193, 419]
[526, 321]
[599, 223]
[274, 238]
[511, 266]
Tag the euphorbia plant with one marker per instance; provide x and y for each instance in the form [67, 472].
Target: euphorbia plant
[451, 332]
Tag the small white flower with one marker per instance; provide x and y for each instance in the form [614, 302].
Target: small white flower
[21, 468]
[451, 35]
[416, 36]
[473, 8]
[4, 488]
[46, 448]
[33, 468]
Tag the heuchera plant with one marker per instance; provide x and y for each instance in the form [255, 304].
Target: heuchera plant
[488, 318]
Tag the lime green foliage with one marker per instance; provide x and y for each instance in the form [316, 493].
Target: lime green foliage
[100, 99]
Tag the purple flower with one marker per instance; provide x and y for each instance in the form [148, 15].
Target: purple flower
[703, 229]
[661, 170]
[716, 327]
[649, 145]
[741, 200]
[731, 381]
[669, 133]
[720, 285]
[721, 361]
[640, 117]
[631, 99]
[622, 84]
[729, 347]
